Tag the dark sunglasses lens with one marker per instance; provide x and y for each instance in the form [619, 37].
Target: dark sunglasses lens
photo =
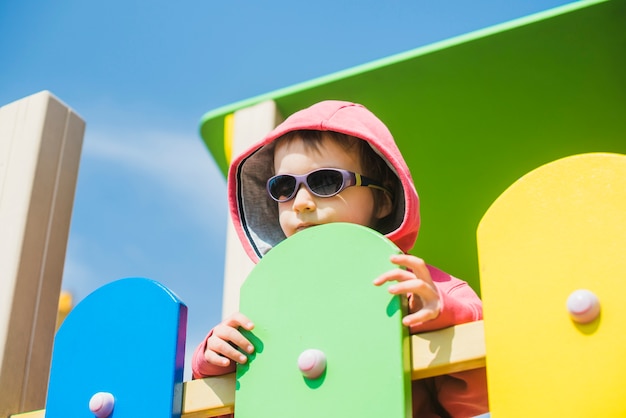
[325, 182]
[282, 187]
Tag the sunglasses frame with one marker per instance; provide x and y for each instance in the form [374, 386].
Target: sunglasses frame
[349, 178]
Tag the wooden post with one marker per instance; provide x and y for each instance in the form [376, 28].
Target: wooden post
[40, 146]
[250, 125]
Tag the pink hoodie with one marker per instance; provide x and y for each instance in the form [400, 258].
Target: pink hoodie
[254, 213]
[255, 218]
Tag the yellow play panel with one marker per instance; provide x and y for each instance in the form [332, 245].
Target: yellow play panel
[558, 229]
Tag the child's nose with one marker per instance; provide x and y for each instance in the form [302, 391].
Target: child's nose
[303, 200]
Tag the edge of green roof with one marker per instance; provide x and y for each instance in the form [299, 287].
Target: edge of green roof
[212, 122]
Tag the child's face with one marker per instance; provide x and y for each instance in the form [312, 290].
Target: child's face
[353, 204]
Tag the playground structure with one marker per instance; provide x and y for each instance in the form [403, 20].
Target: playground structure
[40, 145]
[504, 100]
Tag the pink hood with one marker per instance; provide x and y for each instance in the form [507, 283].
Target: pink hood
[255, 215]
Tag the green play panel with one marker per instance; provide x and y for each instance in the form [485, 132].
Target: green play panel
[474, 113]
[315, 291]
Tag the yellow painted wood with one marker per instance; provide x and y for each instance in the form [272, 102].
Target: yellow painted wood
[449, 350]
[229, 122]
[560, 228]
[462, 345]
[34, 414]
[209, 397]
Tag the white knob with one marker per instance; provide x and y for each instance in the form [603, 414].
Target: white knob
[583, 306]
[312, 363]
[101, 404]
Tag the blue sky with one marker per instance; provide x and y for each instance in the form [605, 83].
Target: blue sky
[149, 199]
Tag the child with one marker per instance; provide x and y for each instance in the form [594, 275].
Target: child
[337, 162]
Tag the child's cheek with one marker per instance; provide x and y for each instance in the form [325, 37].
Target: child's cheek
[283, 217]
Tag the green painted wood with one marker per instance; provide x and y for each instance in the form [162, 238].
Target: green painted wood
[315, 291]
[475, 113]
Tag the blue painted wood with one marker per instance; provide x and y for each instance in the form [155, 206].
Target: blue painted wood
[126, 338]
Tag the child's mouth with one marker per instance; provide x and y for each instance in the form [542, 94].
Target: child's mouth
[304, 226]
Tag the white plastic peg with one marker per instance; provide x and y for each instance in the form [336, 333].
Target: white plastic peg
[312, 363]
[583, 306]
[101, 404]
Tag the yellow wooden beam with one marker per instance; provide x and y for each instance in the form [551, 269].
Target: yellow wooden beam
[449, 350]
[209, 397]
[34, 414]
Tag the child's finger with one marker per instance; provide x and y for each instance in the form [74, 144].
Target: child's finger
[228, 349]
[216, 359]
[221, 353]
[423, 290]
[396, 275]
[232, 336]
[420, 316]
[239, 320]
[415, 264]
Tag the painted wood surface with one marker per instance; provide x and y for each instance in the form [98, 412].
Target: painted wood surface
[124, 331]
[558, 229]
[315, 291]
[214, 396]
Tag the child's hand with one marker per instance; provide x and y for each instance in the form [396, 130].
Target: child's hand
[226, 340]
[425, 304]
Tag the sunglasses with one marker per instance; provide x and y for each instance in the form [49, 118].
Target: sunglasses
[323, 182]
